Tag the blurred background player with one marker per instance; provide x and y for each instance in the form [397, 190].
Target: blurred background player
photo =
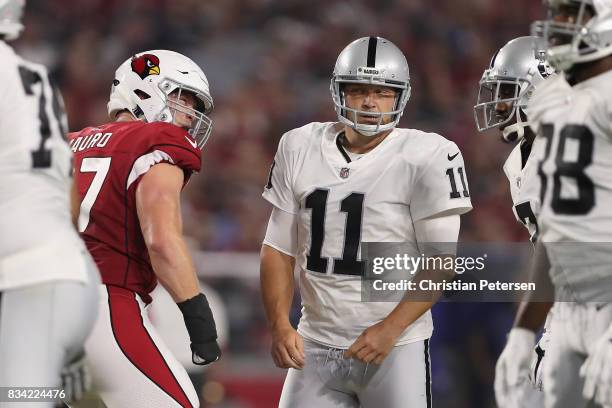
[571, 114]
[48, 281]
[334, 185]
[506, 87]
[129, 175]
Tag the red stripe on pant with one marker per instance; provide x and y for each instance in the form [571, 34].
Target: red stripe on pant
[138, 346]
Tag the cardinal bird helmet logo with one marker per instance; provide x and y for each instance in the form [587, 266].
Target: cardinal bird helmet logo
[145, 65]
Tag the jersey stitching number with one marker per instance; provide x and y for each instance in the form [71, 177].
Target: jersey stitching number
[585, 201]
[99, 166]
[41, 158]
[450, 172]
[352, 205]
[317, 202]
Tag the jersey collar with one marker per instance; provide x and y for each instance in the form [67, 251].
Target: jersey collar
[336, 156]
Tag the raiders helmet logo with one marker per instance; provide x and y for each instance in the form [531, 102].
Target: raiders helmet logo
[544, 67]
[145, 65]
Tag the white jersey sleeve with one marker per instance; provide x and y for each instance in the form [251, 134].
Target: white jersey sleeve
[279, 190]
[441, 188]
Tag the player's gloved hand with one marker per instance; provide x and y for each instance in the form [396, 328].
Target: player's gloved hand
[513, 367]
[76, 380]
[597, 371]
[202, 329]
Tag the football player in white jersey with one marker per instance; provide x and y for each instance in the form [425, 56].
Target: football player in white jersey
[571, 113]
[48, 282]
[334, 186]
[506, 87]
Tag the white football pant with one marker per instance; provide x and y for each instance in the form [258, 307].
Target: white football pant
[328, 380]
[576, 327]
[42, 327]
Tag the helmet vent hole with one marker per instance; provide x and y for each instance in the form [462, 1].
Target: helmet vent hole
[141, 94]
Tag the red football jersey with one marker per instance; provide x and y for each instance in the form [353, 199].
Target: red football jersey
[109, 162]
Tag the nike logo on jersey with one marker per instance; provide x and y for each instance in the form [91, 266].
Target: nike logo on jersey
[192, 143]
[450, 158]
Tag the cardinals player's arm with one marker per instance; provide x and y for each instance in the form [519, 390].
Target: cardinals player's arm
[159, 212]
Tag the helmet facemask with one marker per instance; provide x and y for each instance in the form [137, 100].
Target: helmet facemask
[350, 116]
[514, 93]
[194, 120]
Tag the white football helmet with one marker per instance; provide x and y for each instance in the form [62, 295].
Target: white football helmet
[143, 83]
[11, 12]
[562, 37]
[519, 65]
[372, 61]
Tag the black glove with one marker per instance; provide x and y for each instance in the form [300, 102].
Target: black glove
[202, 330]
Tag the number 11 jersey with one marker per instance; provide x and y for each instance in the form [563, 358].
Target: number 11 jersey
[109, 162]
[339, 203]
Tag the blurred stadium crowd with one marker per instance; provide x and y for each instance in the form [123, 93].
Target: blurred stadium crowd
[269, 63]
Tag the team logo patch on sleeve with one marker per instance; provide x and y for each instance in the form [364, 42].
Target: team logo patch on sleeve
[145, 65]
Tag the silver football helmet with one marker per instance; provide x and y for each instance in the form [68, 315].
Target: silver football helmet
[595, 39]
[562, 37]
[144, 82]
[515, 71]
[373, 61]
[11, 12]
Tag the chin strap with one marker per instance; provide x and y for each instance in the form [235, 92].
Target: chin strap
[516, 131]
[367, 133]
